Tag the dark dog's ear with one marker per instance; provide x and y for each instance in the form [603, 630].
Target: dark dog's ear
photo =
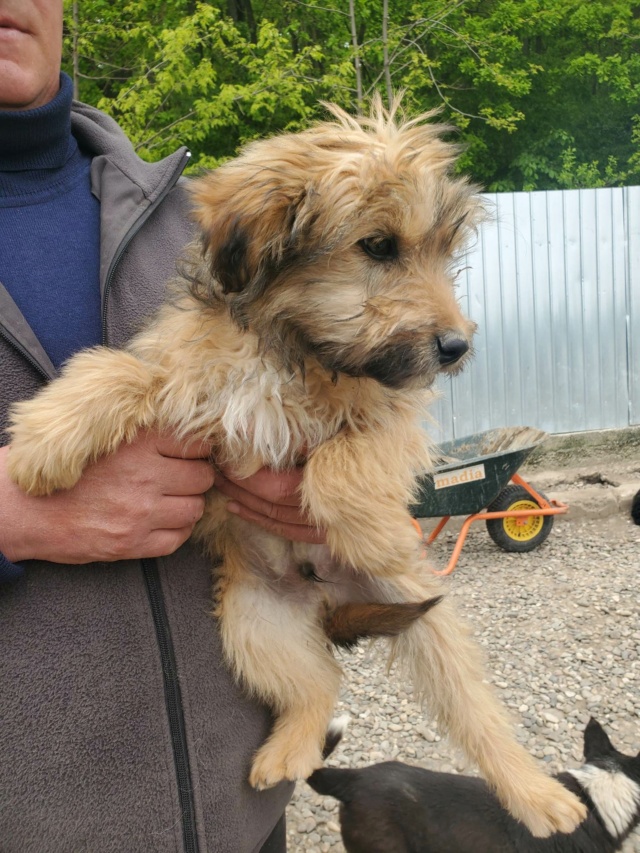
[596, 741]
[252, 219]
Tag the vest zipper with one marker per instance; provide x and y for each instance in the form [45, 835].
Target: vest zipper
[24, 352]
[172, 693]
[173, 699]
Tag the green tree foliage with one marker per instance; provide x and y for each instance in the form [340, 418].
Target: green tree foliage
[544, 93]
[186, 73]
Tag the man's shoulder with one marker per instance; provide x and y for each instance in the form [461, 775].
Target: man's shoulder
[149, 262]
[97, 132]
[146, 219]
[103, 139]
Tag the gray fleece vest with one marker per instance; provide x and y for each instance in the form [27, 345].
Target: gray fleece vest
[121, 730]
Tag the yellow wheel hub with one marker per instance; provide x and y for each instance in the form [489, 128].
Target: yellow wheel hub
[523, 528]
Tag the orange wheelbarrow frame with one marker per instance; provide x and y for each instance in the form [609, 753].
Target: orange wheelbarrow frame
[546, 508]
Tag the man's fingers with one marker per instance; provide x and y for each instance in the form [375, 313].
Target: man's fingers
[163, 542]
[174, 513]
[287, 513]
[185, 476]
[293, 532]
[278, 487]
[268, 498]
[264, 488]
[167, 445]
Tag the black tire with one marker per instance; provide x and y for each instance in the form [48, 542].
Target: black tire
[504, 532]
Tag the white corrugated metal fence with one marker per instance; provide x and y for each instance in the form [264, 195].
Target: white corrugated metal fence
[554, 285]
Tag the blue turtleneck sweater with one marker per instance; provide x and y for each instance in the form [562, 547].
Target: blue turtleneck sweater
[49, 232]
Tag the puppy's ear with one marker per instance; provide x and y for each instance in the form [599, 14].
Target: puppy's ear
[596, 741]
[252, 220]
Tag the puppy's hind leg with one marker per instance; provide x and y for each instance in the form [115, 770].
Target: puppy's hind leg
[279, 653]
[101, 399]
[446, 668]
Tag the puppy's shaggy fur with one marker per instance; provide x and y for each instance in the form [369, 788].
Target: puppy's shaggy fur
[310, 325]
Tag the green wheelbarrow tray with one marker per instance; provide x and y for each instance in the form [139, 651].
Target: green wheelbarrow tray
[474, 470]
[474, 473]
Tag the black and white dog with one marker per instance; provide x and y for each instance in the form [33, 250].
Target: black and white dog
[396, 808]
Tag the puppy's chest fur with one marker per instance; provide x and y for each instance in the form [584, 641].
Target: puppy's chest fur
[217, 383]
[271, 417]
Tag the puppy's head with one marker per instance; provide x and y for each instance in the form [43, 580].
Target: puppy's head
[339, 244]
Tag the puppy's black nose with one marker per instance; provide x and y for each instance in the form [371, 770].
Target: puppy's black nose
[451, 348]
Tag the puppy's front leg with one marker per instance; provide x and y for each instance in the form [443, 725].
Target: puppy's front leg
[101, 399]
[358, 486]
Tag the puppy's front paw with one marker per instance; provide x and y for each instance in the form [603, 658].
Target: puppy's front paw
[38, 471]
[45, 453]
[278, 760]
[549, 808]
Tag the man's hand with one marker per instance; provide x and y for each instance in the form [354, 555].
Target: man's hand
[272, 501]
[141, 501]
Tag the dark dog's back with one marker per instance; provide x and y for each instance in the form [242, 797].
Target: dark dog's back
[396, 808]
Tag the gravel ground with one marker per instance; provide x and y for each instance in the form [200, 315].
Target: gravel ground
[561, 630]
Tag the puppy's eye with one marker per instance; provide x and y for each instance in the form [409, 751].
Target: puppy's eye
[380, 248]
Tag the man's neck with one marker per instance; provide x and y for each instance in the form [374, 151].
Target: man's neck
[38, 138]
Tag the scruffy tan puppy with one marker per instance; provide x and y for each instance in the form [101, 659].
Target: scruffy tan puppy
[311, 324]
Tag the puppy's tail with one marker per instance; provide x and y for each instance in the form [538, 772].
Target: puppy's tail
[348, 624]
[332, 781]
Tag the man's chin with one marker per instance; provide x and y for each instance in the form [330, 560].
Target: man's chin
[20, 88]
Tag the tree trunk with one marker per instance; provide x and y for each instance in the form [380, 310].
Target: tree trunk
[385, 52]
[74, 48]
[241, 11]
[356, 54]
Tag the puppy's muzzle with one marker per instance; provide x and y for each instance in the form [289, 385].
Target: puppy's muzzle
[412, 354]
